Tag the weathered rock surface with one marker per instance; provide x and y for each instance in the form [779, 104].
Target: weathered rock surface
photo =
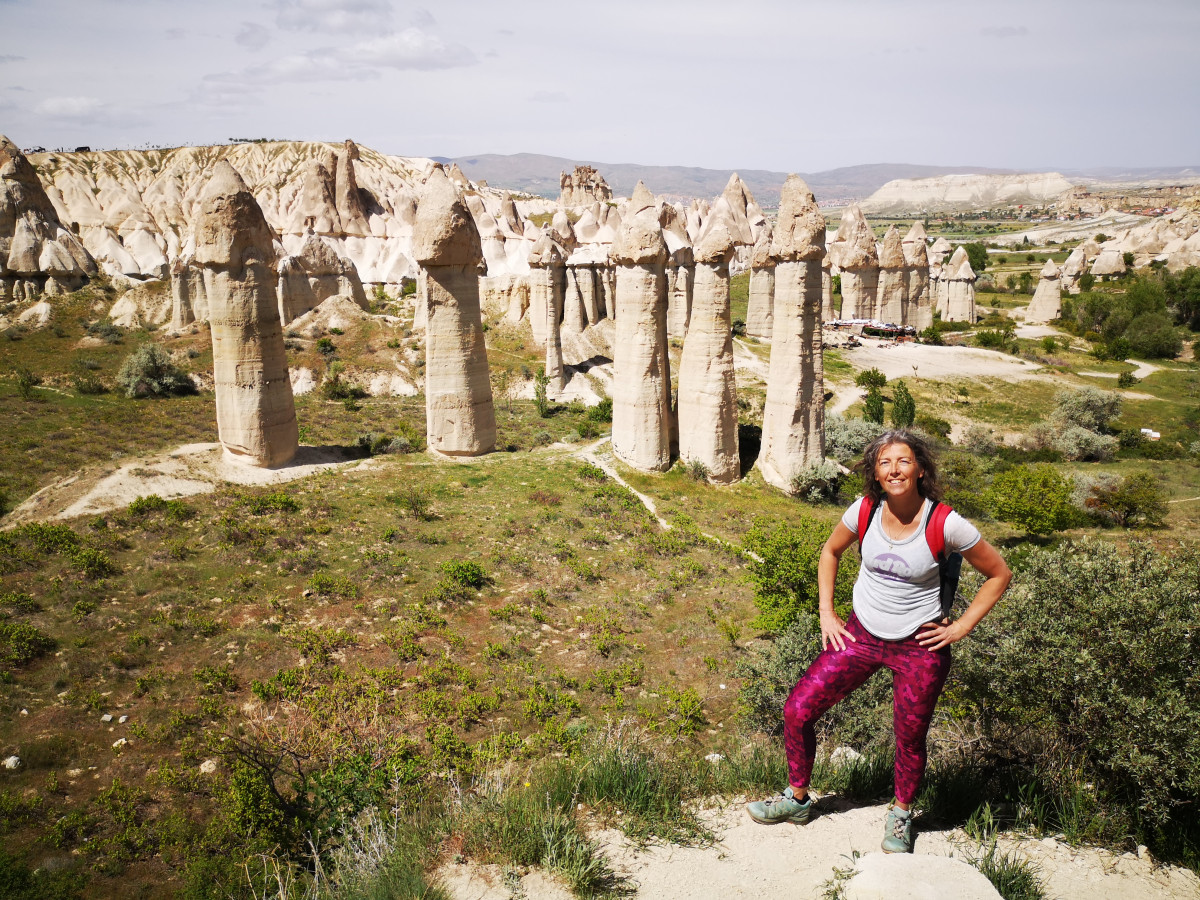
[459, 415]
[707, 407]
[762, 287]
[854, 253]
[793, 434]
[256, 414]
[886, 876]
[547, 278]
[1047, 299]
[1109, 262]
[643, 426]
[314, 275]
[919, 311]
[892, 292]
[583, 186]
[956, 285]
[37, 254]
[960, 193]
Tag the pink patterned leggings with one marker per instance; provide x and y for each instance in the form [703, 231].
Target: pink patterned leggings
[917, 680]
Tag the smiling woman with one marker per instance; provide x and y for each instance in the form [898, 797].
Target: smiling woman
[905, 535]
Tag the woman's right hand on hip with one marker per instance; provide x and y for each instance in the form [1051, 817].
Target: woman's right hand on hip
[833, 631]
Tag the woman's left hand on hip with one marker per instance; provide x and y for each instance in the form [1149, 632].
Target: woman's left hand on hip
[935, 635]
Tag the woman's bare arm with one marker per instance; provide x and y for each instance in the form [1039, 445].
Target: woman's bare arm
[833, 629]
[990, 564]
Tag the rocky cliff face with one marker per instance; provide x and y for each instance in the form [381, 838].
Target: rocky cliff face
[961, 193]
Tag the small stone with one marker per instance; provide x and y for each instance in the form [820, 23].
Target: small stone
[24, 712]
[119, 743]
[208, 767]
[12, 762]
[122, 720]
[714, 758]
[1050, 842]
[1143, 851]
[106, 718]
[843, 756]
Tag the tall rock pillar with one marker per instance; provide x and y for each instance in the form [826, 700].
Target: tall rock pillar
[760, 307]
[958, 279]
[856, 257]
[546, 275]
[893, 280]
[459, 416]
[919, 310]
[707, 408]
[793, 434]
[256, 414]
[1046, 304]
[642, 421]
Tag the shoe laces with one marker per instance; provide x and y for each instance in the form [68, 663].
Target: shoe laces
[900, 825]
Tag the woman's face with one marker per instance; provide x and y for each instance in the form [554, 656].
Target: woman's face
[897, 470]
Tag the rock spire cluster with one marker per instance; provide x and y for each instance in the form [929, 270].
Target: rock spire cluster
[582, 187]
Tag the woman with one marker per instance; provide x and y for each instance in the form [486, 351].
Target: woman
[897, 622]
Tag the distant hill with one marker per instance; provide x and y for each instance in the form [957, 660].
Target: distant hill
[538, 174]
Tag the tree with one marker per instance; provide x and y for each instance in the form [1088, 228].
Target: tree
[869, 378]
[904, 407]
[1128, 258]
[1088, 407]
[1026, 282]
[1153, 335]
[1087, 281]
[873, 406]
[785, 574]
[1137, 502]
[1037, 499]
[540, 382]
[149, 370]
[978, 256]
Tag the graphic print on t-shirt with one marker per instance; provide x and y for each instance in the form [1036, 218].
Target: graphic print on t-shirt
[891, 566]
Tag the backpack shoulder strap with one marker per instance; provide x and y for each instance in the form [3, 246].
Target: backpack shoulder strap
[866, 512]
[935, 530]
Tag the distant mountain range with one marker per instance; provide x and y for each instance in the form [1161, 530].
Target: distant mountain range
[538, 174]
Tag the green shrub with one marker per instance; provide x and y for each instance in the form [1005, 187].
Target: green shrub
[1087, 407]
[933, 426]
[870, 378]
[819, 482]
[904, 407]
[1034, 498]
[1086, 672]
[785, 580]
[846, 438]
[21, 643]
[602, 411]
[1135, 502]
[467, 573]
[148, 371]
[873, 406]
[333, 586]
[1126, 380]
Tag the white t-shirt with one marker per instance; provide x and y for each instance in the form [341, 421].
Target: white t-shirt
[897, 587]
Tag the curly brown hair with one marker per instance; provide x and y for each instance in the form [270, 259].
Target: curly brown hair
[927, 485]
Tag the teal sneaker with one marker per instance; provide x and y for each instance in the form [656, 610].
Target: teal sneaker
[897, 830]
[783, 808]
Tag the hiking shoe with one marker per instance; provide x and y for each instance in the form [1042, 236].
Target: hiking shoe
[897, 830]
[783, 808]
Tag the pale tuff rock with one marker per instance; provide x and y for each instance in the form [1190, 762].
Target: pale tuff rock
[957, 284]
[919, 312]
[37, 254]
[455, 174]
[680, 269]
[793, 434]
[937, 253]
[1047, 299]
[316, 208]
[256, 415]
[707, 408]
[588, 226]
[583, 186]
[1109, 262]
[883, 876]
[189, 301]
[460, 417]
[642, 422]
[314, 275]
[1090, 249]
[509, 219]
[564, 232]
[746, 219]
[854, 253]
[762, 286]
[893, 280]
[946, 193]
[1075, 265]
[547, 278]
[828, 313]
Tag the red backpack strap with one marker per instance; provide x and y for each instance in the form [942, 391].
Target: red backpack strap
[865, 509]
[935, 530]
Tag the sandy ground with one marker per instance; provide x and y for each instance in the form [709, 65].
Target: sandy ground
[752, 861]
[182, 472]
[910, 360]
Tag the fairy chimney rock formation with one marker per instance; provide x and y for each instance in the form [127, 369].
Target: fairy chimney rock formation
[1074, 266]
[546, 281]
[855, 256]
[37, 254]
[582, 187]
[892, 290]
[1047, 299]
[919, 311]
[680, 269]
[256, 414]
[759, 321]
[793, 433]
[958, 286]
[642, 422]
[459, 415]
[707, 408]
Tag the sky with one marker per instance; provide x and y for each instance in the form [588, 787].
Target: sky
[785, 85]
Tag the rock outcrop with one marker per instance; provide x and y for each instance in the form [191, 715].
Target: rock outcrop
[256, 414]
[957, 288]
[643, 426]
[459, 415]
[961, 193]
[582, 187]
[854, 253]
[919, 312]
[1074, 266]
[1047, 299]
[547, 275]
[707, 407]
[314, 275]
[760, 306]
[1109, 262]
[892, 292]
[37, 254]
[681, 272]
[793, 434]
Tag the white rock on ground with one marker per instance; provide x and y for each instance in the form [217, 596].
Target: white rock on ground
[888, 876]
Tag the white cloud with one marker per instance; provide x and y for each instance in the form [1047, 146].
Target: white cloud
[253, 36]
[334, 16]
[315, 65]
[70, 107]
[411, 48]
[1004, 31]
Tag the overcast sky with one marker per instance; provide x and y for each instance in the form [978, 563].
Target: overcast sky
[770, 84]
